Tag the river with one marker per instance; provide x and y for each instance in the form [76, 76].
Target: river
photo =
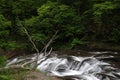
[78, 65]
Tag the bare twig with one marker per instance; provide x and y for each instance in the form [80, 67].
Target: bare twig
[50, 41]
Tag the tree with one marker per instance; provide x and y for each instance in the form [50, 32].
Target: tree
[54, 16]
[12, 10]
[106, 19]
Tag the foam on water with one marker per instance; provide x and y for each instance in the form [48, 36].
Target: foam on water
[76, 68]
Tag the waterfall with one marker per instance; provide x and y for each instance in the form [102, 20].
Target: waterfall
[76, 67]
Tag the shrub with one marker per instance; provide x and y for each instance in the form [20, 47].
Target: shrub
[3, 61]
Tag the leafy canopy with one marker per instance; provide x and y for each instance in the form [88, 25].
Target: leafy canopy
[54, 16]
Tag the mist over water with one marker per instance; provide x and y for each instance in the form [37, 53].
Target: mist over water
[96, 66]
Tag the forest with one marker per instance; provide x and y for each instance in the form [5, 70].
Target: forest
[78, 22]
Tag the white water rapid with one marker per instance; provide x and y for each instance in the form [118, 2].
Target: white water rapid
[74, 67]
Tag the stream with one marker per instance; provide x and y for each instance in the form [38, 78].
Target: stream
[78, 65]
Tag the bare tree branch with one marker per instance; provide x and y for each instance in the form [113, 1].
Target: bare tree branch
[37, 56]
[50, 41]
[45, 54]
[31, 40]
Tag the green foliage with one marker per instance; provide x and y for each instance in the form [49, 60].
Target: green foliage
[3, 61]
[54, 16]
[76, 41]
[11, 10]
[4, 77]
[115, 34]
[10, 45]
[5, 38]
[20, 8]
[100, 8]
[4, 25]
[96, 21]
[39, 38]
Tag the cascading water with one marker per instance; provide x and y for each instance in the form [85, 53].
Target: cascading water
[76, 68]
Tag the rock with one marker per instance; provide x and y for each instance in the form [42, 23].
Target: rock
[36, 75]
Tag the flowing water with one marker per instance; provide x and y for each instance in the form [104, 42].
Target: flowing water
[79, 65]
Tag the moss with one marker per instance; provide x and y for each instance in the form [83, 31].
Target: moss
[13, 74]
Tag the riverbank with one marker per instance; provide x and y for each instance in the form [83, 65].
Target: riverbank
[36, 75]
[98, 46]
[23, 74]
